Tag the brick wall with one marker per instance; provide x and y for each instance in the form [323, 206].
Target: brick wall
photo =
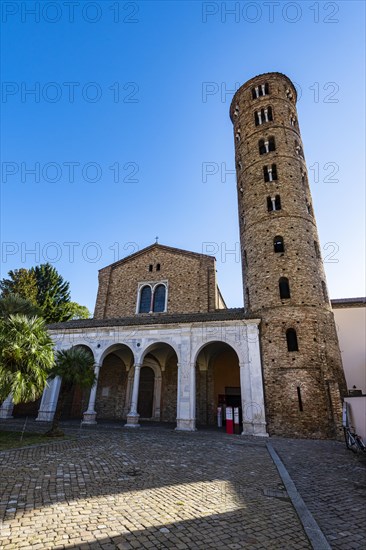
[191, 282]
[316, 367]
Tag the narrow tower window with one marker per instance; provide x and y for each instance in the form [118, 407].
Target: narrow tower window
[262, 116]
[317, 250]
[266, 146]
[273, 203]
[145, 299]
[299, 398]
[157, 267]
[261, 90]
[270, 173]
[299, 150]
[325, 292]
[291, 338]
[284, 288]
[278, 244]
[150, 267]
[247, 300]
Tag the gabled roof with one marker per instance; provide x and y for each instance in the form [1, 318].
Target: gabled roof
[158, 246]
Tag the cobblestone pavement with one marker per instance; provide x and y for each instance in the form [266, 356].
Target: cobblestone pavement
[332, 482]
[157, 488]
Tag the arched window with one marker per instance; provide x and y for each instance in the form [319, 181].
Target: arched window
[145, 299]
[270, 173]
[159, 299]
[273, 203]
[262, 149]
[284, 288]
[262, 116]
[278, 244]
[291, 338]
[266, 145]
[259, 91]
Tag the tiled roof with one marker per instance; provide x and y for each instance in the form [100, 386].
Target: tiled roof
[348, 302]
[233, 314]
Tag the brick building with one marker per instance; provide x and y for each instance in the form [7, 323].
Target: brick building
[166, 346]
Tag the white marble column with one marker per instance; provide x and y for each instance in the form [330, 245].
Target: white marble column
[6, 409]
[89, 416]
[251, 383]
[186, 397]
[133, 416]
[49, 400]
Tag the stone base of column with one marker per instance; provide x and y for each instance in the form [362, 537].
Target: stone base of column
[132, 420]
[89, 417]
[258, 429]
[185, 425]
[45, 416]
[6, 413]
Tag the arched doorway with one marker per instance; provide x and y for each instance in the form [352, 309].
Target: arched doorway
[217, 382]
[146, 393]
[77, 399]
[112, 397]
[159, 387]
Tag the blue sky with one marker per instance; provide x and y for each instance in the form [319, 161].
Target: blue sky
[132, 98]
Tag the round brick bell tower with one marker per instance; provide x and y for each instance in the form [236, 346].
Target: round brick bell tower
[283, 276]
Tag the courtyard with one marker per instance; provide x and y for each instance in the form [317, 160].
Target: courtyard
[154, 487]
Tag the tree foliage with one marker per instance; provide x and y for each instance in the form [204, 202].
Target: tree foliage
[26, 357]
[78, 312]
[22, 282]
[53, 294]
[11, 304]
[44, 286]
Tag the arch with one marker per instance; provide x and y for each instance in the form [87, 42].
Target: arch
[278, 244]
[111, 394]
[218, 381]
[145, 299]
[152, 346]
[284, 288]
[291, 338]
[118, 347]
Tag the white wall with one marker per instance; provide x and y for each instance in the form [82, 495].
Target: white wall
[351, 328]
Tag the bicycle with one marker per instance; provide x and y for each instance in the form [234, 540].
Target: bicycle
[353, 441]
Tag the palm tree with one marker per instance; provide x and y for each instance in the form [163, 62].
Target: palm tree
[26, 357]
[75, 366]
[12, 304]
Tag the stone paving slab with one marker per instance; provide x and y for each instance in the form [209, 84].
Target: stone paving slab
[332, 483]
[147, 488]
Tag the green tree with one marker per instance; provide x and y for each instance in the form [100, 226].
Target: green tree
[22, 282]
[53, 294]
[75, 366]
[78, 312]
[26, 357]
[11, 304]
